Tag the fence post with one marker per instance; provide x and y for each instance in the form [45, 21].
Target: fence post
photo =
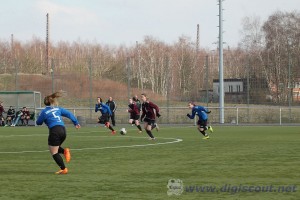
[280, 116]
[237, 115]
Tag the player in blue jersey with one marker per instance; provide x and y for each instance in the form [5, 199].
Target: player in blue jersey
[105, 114]
[52, 117]
[201, 112]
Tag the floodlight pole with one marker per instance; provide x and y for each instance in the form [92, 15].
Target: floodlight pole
[221, 79]
[128, 76]
[47, 44]
[91, 86]
[52, 74]
[290, 88]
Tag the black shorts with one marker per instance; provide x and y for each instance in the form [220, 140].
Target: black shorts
[202, 123]
[103, 118]
[57, 135]
[149, 121]
[135, 117]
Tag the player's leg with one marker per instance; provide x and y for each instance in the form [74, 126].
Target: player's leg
[210, 128]
[56, 136]
[148, 128]
[8, 120]
[22, 120]
[65, 151]
[2, 121]
[137, 122]
[105, 118]
[113, 121]
[27, 120]
[155, 125]
[131, 121]
[16, 120]
[202, 126]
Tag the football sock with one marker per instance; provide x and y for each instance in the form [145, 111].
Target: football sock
[61, 150]
[203, 133]
[111, 128]
[139, 127]
[59, 161]
[150, 133]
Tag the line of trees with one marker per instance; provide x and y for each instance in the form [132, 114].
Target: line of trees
[268, 50]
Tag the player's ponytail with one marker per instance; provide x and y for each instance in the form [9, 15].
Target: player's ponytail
[52, 99]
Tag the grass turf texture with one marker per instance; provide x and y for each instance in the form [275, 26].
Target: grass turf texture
[247, 156]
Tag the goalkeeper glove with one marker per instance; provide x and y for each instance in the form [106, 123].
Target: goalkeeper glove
[188, 115]
[208, 112]
[158, 115]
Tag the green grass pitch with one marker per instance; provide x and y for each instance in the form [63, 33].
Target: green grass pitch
[105, 166]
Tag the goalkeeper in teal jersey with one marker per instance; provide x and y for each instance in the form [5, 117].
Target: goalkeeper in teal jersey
[201, 112]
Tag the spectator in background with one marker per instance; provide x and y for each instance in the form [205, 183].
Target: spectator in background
[113, 107]
[10, 116]
[17, 117]
[1, 114]
[25, 116]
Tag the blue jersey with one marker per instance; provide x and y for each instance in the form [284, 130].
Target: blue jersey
[103, 108]
[200, 111]
[52, 116]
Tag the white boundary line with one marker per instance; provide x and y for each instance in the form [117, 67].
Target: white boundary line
[175, 140]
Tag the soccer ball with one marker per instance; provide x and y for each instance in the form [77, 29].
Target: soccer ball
[123, 131]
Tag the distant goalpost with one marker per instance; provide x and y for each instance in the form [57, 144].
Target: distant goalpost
[20, 99]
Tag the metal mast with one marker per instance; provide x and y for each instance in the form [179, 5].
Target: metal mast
[47, 44]
[221, 79]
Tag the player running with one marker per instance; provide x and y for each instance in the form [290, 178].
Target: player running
[52, 117]
[149, 112]
[105, 113]
[201, 112]
[134, 114]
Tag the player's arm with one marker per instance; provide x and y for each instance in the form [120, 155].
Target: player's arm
[107, 108]
[40, 119]
[192, 116]
[115, 108]
[155, 107]
[206, 110]
[97, 107]
[143, 113]
[68, 114]
[130, 110]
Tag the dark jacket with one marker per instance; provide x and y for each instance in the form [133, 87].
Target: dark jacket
[112, 105]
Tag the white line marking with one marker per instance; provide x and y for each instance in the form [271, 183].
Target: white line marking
[175, 140]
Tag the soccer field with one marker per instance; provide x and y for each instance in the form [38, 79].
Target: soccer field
[235, 163]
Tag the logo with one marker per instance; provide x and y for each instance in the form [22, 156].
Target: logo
[175, 187]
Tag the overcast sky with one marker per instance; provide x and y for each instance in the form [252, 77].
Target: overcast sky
[116, 22]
